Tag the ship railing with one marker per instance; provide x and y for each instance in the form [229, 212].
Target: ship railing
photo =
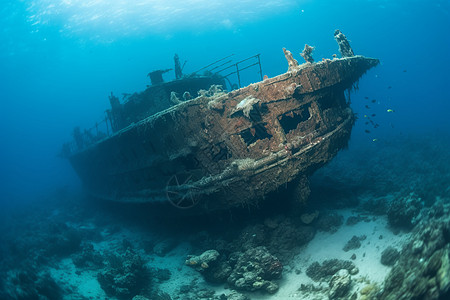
[238, 67]
[105, 128]
[214, 64]
[82, 139]
[232, 68]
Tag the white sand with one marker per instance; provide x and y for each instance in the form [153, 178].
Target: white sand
[84, 285]
[329, 245]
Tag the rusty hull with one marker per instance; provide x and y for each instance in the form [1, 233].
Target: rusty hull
[221, 149]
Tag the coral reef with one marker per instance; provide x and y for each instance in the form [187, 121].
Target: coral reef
[308, 218]
[219, 272]
[160, 275]
[254, 269]
[423, 268]
[280, 235]
[234, 296]
[375, 205]
[369, 292]
[354, 243]
[288, 236]
[329, 267]
[403, 212]
[214, 267]
[30, 284]
[339, 284]
[88, 257]
[63, 241]
[125, 275]
[389, 256]
[329, 222]
[139, 297]
[202, 261]
[193, 291]
[353, 220]
[159, 295]
[252, 236]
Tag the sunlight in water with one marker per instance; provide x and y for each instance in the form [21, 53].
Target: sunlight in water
[125, 17]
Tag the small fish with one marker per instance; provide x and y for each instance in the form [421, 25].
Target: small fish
[367, 106]
[404, 71]
[374, 140]
[367, 123]
[374, 115]
[376, 125]
[374, 100]
[390, 110]
[367, 98]
[365, 116]
[389, 87]
[367, 131]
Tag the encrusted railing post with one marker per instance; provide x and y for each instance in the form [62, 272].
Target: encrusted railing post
[307, 53]
[344, 45]
[291, 61]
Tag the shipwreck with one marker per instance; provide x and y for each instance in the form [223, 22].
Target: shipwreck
[190, 143]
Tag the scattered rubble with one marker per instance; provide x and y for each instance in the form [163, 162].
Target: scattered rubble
[354, 243]
[339, 284]
[389, 256]
[324, 271]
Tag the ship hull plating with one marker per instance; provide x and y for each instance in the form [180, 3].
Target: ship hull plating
[222, 150]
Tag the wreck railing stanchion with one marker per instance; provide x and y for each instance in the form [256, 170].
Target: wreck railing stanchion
[238, 75]
[240, 69]
[260, 69]
[107, 127]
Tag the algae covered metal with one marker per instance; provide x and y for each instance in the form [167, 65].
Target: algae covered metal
[225, 149]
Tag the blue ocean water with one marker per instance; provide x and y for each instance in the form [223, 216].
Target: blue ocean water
[59, 61]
